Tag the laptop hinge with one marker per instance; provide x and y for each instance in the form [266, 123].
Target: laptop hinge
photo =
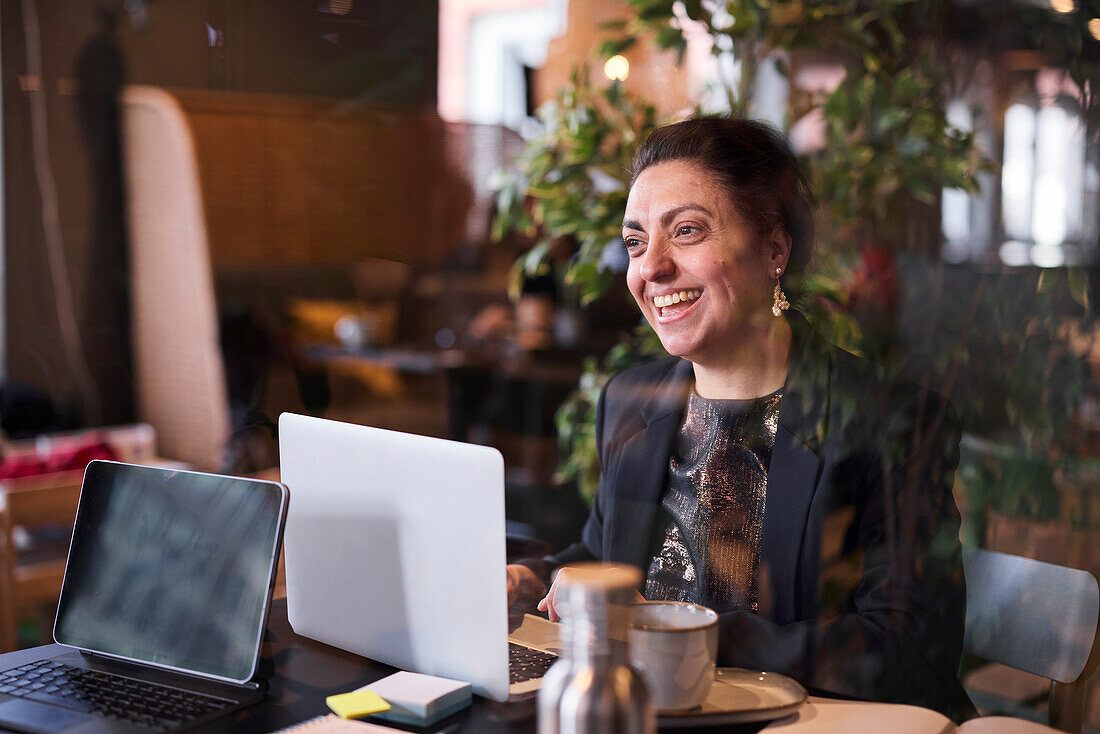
[250, 685]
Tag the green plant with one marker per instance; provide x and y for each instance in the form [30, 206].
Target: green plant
[570, 183]
[568, 191]
[998, 343]
[576, 418]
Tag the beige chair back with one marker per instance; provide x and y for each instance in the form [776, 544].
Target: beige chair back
[179, 376]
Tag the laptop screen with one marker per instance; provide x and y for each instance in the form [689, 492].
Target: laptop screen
[171, 568]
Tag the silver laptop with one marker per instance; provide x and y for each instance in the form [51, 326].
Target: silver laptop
[163, 606]
[395, 551]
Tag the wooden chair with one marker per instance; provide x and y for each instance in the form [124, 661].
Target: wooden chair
[1037, 617]
[34, 586]
[30, 583]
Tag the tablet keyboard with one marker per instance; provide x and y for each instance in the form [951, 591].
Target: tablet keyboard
[155, 707]
[525, 663]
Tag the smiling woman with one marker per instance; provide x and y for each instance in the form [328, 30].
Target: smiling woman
[799, 491]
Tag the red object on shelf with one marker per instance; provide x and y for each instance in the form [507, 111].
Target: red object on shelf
[68, 456]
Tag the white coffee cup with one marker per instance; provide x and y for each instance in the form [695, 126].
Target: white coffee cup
[673, 645]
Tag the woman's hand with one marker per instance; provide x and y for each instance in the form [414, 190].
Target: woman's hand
[524, 587]
[547, 603]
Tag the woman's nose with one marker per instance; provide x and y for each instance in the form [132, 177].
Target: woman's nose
[656, 262]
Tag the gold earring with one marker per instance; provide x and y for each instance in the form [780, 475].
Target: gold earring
[780, 304]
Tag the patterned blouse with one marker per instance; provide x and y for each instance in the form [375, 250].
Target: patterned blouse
[714, 507]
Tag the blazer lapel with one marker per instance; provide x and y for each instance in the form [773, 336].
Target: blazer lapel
[793, 473]
[641, 474]
[792, 476]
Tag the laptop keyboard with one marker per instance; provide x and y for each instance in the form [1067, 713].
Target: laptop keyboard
[525, 663]
[158, 708]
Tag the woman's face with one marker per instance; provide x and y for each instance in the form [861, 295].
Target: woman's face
[687, 243]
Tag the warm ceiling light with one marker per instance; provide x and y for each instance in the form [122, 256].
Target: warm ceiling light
[1094, 28]
[1063, 6]
[617, 68]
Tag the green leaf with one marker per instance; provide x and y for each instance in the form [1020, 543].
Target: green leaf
[891, 119]
[1079, 286]
[655, 9]
[669, 37]
[615, 46]
[783, 66]
[694, 9]
[922, 193]
[1048, 281]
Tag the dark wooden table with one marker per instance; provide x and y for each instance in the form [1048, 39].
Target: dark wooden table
[307, 671]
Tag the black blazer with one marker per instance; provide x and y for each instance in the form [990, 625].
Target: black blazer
[860, 585]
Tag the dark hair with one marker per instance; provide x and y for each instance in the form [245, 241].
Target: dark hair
[754, 164]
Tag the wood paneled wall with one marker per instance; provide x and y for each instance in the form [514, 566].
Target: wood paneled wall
[290, 180]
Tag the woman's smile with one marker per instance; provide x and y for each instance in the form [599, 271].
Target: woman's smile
[673, 305]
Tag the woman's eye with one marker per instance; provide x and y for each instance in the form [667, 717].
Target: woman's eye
[686, 230]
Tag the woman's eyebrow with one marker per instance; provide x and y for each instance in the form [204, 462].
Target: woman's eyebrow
[667, 217]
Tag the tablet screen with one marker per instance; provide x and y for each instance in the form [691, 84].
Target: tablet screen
[171, 568]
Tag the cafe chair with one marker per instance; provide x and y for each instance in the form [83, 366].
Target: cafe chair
[179, 377]
[40, 508]
[1036, 617]
[30, 586]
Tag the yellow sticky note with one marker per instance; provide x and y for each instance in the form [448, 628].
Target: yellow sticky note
[356, 704]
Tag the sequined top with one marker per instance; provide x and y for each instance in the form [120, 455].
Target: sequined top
[714, 507]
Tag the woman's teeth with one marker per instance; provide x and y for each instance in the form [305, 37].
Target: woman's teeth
[674, 298]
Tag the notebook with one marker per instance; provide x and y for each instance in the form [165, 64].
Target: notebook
[163, 606]
[395, 551]
[329, 724]
[417, 699]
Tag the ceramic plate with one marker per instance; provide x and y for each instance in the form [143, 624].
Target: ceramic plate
[740, 695]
